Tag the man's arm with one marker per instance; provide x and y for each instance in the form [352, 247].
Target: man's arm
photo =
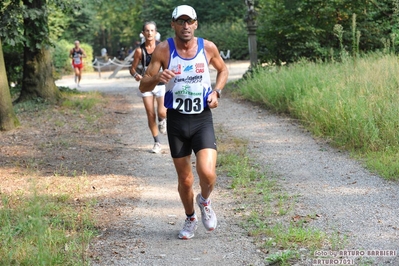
[135, 63]
[217, 62]
[152, 75]
[83, 53]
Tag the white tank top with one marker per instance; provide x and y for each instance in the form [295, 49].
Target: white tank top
[188, 90]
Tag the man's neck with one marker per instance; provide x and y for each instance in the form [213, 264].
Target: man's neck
[149, 42]
[186, 46]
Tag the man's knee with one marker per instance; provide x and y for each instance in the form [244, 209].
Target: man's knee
[186, 182]
[207, 175]
[161, 112]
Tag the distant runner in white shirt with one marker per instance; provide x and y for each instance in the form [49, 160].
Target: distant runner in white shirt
[144, 54]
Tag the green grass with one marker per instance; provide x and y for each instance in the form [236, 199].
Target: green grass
[354, 105]
[38, 227]
[267, 208]
[31, 106]
[44, 230]
[81, 101]
[282, 258]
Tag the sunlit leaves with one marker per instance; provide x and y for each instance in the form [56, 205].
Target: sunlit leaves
[292, 29]
[26, 22]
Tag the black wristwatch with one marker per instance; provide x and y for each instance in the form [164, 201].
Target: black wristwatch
[219, 92]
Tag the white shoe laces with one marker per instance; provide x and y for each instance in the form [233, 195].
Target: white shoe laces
[207, 213]
[188, 225]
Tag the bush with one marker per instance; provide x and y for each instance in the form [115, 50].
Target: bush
[227, 36]
[353, 104]
[62, 62]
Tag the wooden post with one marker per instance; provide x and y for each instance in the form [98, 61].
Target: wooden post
[99, 68]
[251, 27]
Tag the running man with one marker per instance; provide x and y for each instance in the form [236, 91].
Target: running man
[189, 98]
[143, 54]
[77, 53]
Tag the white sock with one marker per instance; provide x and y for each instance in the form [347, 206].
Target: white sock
[202, 200]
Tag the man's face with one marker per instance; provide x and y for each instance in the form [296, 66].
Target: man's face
[149, 32]
[184, 27]
[77, 44]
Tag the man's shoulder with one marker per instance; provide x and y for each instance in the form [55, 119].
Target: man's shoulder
[209, 45]
[161, 53]
[208, 42]
[163, 45]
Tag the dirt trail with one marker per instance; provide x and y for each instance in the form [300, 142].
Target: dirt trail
[346, 198]
[146, 234]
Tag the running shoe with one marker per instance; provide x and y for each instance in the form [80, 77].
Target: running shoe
[190, 225]
[208, 216]
[156, 148]
[162, 126]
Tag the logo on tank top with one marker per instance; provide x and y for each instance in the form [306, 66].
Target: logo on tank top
[188, 68]
[176, 69]
[189, 79]
[185, 91]
[199, 68]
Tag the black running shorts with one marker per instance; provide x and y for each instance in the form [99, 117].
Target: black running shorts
[190, 132]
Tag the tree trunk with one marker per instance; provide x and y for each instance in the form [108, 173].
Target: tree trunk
[37, 79]
[8, 119]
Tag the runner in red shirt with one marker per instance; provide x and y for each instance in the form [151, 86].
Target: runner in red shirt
[77, 54]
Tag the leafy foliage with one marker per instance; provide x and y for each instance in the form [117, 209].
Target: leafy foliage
[14, 13]
[115, 24]
[209, 12]
[227, 36]
[290, 30]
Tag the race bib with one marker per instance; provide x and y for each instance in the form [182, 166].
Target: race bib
[77, 60]
[189, 99]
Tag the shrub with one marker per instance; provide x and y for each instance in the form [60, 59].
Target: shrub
[227, 36]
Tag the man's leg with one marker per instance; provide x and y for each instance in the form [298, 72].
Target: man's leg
[185, 188]
[151, 116]
[161, 110]
[152, 123]
[79, 74]
[206, 169]
[77, 80]
[185, 182]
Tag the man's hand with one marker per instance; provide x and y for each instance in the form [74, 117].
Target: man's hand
[166, 75]
[148, 83]
[213, 100]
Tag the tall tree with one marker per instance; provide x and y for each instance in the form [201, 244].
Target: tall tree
[37, 78]
[8, 119]
[26, 22]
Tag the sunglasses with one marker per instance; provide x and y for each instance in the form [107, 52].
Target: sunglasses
[189, 21]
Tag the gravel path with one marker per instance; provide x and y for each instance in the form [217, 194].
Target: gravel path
[347, 198]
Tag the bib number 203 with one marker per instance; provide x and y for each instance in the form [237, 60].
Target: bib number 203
[188, 105]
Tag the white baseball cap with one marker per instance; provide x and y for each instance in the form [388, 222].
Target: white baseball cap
[184, 10]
